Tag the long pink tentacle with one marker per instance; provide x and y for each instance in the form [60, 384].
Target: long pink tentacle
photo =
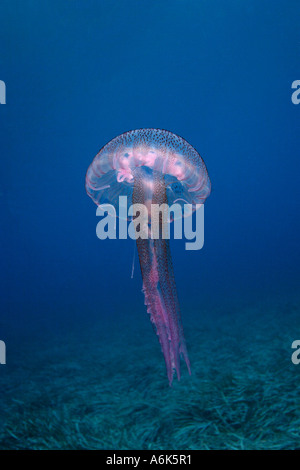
[158, 280]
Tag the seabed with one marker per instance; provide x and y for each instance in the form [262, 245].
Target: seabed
[106, 387]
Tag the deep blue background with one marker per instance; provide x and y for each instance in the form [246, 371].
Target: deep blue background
[78, 73]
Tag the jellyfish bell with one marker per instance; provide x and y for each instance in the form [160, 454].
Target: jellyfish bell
[112, 172]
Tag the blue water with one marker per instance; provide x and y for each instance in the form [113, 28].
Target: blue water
[78, 74]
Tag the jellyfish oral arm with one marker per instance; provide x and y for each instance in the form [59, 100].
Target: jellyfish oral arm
[159, 283]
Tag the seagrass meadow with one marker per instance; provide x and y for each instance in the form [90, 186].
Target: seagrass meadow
[83, 392]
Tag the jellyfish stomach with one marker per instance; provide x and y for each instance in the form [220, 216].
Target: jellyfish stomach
[159, 283]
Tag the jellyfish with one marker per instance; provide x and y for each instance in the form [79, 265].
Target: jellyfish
[153, 166]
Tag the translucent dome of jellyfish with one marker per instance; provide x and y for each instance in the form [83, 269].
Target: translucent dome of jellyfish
[153, 166]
